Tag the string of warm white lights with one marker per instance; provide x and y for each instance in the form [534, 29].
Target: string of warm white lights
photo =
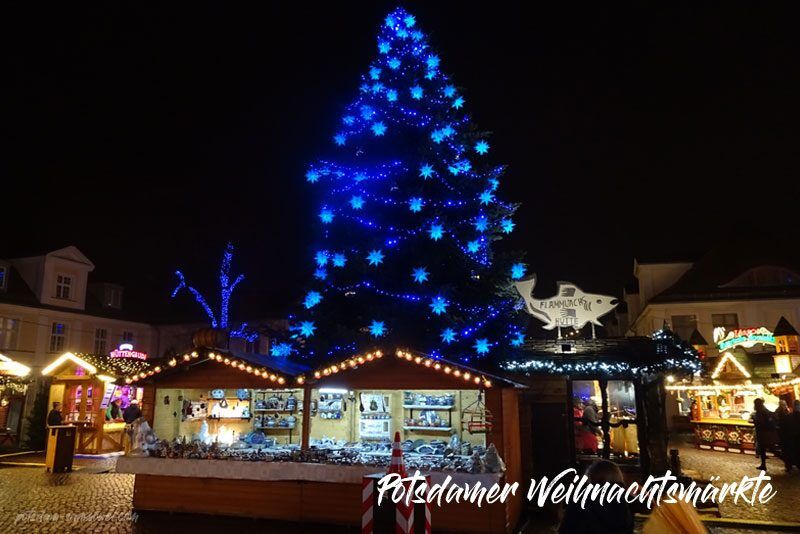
[231, 361]
[467, 375]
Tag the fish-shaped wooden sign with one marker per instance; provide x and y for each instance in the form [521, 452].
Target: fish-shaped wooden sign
[570, 307]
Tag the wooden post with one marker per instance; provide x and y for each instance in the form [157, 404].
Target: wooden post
[604, 420]
[306, 432]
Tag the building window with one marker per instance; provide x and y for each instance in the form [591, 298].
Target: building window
[127, 337]
[63, 287]
[9, 333]
[727, 320]
[113, 297]
[684, 325]
[100, 338]
[58, 337]
[3, 277]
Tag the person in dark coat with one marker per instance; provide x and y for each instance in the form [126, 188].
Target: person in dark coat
[132, 412]
[786, 435]
[599, 518]
[765, 431]
[796, 432]
[54, 417]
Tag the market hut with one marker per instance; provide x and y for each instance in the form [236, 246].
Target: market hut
[719, 404]
[85, 385]
[597, 398]
[342, 417]
[14, 380]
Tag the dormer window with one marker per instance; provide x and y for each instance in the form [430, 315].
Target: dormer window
[63, 287]
[113, 297]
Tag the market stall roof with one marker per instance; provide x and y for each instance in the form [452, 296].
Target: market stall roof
[271, 369]
[9, 367]
[474, 376]
[104, 366]
[610, 356]
[784, 328]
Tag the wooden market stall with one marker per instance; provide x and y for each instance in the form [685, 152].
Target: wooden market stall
[85, 385]
[14, 380]
[346, 404]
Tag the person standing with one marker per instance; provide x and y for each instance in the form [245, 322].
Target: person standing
[796, 432]
[54, 417]
[132, 412]
[113, 412]
[785, 435]
[765, 431]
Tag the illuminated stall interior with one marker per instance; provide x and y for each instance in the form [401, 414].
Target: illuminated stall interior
[14, 379]
[615, 404]
[85, 385]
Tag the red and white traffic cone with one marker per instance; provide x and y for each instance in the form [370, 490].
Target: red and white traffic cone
[397, 465]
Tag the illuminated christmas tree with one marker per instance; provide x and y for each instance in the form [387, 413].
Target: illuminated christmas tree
[409, 208]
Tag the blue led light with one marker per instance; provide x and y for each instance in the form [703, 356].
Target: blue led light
[356, 202]
[473, 246]
[339, 139]
[439, 305]
[321, 257]
[374, 73]
[449, 91]
[507, 225]
[391, 95]
[320, 273]
[486, 197]
[481, 147]
[394, 64]
[517, 271]
[312, 299]
[458, 103]
[312, 176]
[426, 171]
[415, 204]
[448, 335]
[338, 260]
[375, 257]
[436, 232]
[281, 350]
[420, 275]
[416, 92]
[410, 20]
[377, 328]
[481, 223]
[432, 61]
[378, 129]
[517, 339]
[384, 47]
[307, 328]
[326, 216]
[481, 345]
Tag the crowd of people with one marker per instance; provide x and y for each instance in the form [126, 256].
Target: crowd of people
[777, 432]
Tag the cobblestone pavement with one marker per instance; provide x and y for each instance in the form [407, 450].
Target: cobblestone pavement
[785, 506]
[92, 499]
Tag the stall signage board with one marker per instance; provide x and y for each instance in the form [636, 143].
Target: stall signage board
[742, 337]
[570, 307]
[129, 354]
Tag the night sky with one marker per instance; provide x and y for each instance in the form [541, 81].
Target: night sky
[148, 137]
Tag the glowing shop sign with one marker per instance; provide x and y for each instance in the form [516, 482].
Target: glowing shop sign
[126, 351]
[742, 337]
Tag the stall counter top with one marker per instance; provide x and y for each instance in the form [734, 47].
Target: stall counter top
[718, 421]
[260, 470]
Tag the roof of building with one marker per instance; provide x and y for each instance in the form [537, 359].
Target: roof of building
[716, 276]
[784, 328]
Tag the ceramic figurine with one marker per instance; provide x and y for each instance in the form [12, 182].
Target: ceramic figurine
[492, 460]
[477, 466]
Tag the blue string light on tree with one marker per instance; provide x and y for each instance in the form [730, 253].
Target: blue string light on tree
[517, 271]
[405, 146]
[226, 290]
[312, 299]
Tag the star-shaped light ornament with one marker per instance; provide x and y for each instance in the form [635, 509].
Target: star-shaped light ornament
[420, 275]
[481, 147]
[481, 345]
[517, 271]
[415, 204]
[439, 305]
[356, 202]
[448, 335]
[377, 328]
[375, 257]
[307, 328]
[426, 171]
[436, 232]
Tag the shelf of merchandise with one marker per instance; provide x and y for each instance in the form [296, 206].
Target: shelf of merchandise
[429, 428]
[428, 407]
[275, 410]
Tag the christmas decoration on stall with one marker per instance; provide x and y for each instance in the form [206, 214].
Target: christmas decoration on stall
[409, 208]
[219, 320]
[673, 354]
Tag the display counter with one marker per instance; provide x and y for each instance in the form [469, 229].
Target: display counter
[289, 491]
[724, 435]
